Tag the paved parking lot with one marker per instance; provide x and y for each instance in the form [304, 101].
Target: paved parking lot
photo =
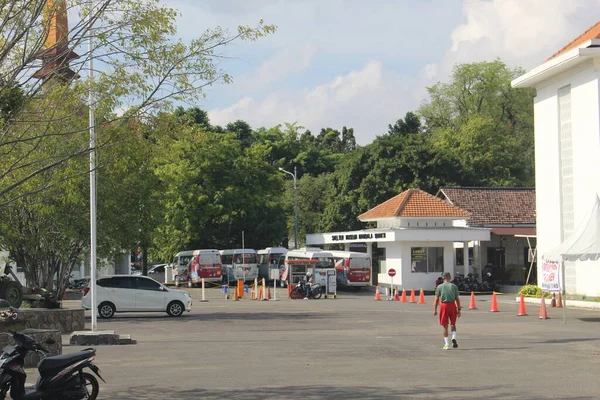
[352, 348]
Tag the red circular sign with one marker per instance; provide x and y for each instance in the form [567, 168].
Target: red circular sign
[392, 272]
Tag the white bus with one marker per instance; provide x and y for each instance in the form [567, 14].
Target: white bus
[268, 262]
[323, 258]
[352, 269]
[239, 264]
[189, 267]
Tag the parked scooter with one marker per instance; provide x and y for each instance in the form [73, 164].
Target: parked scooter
[299, 291]
[61, 377]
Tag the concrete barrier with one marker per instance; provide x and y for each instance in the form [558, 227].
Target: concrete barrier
[64, 320]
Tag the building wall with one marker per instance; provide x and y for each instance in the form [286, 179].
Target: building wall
[398, 256]
[585, 125]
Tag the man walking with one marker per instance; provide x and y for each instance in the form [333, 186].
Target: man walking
[447, 295]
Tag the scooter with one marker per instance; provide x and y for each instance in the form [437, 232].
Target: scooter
[299, 291]
[61, 377]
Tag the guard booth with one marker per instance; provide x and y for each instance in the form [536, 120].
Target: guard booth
[295, 271]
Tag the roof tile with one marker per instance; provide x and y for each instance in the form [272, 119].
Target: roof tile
[414, 203]
[494, 206]
[592, 33]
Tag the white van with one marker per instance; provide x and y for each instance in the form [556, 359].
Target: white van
[239, 264]
[268, 262]
[352, 269]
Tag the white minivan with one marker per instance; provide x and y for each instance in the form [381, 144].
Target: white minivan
[127, 293]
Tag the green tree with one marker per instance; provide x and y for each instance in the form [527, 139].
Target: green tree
[483, 125]
[214, 189]
[141, 66]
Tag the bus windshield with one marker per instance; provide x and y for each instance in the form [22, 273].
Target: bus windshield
[324, 262]
[248, 258]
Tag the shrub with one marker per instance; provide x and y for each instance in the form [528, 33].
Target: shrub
[531, 290]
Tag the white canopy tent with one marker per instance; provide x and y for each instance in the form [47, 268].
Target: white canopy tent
[583, 244]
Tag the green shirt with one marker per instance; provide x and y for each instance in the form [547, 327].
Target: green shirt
[447, 292]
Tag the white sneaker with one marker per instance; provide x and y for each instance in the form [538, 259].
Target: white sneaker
[446, 347]
[306, 298]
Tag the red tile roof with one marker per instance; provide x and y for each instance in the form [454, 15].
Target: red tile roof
[494, 206]
[591, 33]
[414, 203]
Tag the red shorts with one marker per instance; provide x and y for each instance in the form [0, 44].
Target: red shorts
[448, 313]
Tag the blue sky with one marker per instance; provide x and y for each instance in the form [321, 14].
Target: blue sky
[364, 64]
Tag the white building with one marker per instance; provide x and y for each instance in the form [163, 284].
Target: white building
[415, 234]
[567, 150]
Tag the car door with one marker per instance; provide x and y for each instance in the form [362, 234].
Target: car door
[120, 290]
[150, 295]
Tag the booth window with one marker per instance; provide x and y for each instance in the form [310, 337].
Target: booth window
[427, 259]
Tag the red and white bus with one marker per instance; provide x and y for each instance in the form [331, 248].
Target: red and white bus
[193, 265]
[352, 269]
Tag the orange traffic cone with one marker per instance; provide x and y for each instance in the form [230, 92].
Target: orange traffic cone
[543, 311]
[472, 305]
[403, 298]
[422, 297]
[553, 302]
[522, 310]
[494, 307]
[377, 294]
[235, 295]
[396, 297]
[412, 296]
[560, 301]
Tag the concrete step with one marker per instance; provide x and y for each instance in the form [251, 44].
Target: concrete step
[90, 338]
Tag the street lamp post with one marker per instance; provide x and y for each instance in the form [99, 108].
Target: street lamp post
[294, 175]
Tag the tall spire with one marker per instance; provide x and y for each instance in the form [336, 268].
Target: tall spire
[55, 53]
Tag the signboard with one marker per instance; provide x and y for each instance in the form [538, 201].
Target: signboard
[331, 282]
[392, 272]
[550, 276]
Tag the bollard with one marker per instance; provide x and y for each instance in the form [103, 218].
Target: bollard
[203, 298]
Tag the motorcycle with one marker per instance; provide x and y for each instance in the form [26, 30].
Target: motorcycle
[299, 291]
[61, 377]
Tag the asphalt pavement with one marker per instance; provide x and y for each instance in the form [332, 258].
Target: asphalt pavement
[351, 347]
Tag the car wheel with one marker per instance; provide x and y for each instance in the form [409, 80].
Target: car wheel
[175, 309]
[106, 310]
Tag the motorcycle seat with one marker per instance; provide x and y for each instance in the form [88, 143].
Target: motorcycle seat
[49, 364]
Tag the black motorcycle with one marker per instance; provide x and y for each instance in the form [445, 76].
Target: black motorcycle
[299, 291]
[61, 377]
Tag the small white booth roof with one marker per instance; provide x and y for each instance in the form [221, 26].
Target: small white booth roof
[418, 231]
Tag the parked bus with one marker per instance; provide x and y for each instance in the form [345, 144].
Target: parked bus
[239, 264]
[191, 266]
[323, 258]
[268, 262]
[352, 269]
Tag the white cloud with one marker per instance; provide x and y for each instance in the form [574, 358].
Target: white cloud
[520, 32]
[289, 60]
[367, 100]
[374, 94]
